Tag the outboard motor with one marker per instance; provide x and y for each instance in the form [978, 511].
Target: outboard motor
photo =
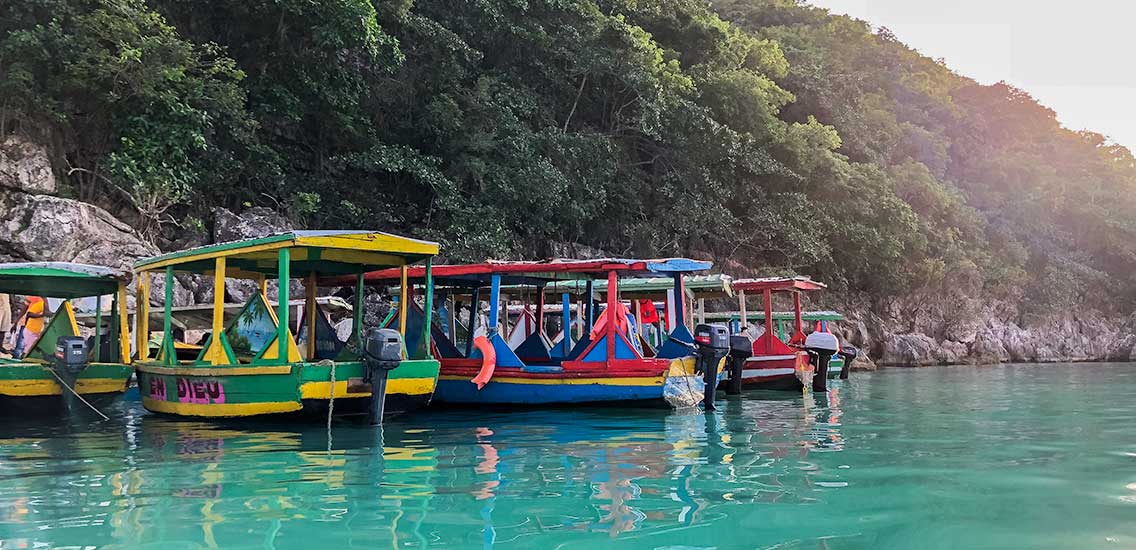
[823, 346]
[849, 353]
[713, 343]
[382, 353]
[70, 360]
[741, 348]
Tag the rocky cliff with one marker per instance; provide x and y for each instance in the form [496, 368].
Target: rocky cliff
[930, 329]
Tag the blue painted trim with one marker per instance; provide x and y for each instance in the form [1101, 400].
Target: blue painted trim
[505, 356]
[496, 392]
[589, 306]
[494, 303]
[678, 265]
[566, 323]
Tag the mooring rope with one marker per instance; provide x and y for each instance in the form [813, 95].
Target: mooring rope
[76, 394]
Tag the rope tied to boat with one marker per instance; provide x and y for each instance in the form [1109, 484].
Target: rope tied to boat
[76, 394]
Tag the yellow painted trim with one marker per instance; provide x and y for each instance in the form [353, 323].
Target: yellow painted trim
[412, 386]
[320, 390]
[310, 288]
[206, 371]
[638, 381]
[220, 409]
[402, 298]
[123, 326]
[361, 257]
[371, 242]
[262, 282]
[216, 355]
[273, 349]
[142, 316]
[35, 388]
[397, 386]
[217, 254]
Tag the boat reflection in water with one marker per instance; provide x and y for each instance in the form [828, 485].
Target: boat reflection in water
[444, 480]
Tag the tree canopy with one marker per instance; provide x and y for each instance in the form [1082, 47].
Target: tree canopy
[763, 133]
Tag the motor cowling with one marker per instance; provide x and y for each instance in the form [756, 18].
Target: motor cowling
[849, 353]
[821, 346]
[71, 354]
[741, 348]
[382, 353]
[712, 343]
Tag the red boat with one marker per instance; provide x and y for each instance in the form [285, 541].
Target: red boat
[775, 364]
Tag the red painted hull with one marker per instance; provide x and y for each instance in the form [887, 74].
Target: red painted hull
[781, 372]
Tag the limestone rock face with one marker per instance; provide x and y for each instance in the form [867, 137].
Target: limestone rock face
[25, 166]
[911, 350]
[44, 228]
[249, 224]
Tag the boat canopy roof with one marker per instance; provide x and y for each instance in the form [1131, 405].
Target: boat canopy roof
[696, 286]
[539, 272]
[60, 279]
[319, 252]
[777, 284]
[777, 316]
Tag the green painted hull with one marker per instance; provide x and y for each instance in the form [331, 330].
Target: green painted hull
[33, 386]
[246, 391]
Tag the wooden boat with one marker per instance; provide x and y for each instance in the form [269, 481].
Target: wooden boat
[38, 379]
[784, 326]
[252, 365]
[607, 365]
[776, 364]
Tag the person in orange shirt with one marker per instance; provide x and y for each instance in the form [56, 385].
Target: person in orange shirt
[31, 319]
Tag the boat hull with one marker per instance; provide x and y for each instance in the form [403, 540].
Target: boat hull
[788, 373]
[518, 387]
[265, 390]
[34, 385]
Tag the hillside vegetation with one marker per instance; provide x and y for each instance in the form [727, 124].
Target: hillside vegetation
[764, 133]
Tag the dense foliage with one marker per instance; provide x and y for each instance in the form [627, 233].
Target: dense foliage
[763, 133]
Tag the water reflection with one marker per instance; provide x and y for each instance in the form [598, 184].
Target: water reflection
[439, 480]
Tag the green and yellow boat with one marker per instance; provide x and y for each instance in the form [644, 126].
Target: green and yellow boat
[253, 365]
[38, 380]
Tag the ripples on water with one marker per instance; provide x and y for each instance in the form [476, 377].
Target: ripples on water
[990, 457]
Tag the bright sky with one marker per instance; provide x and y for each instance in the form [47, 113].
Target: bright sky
[1073, 57]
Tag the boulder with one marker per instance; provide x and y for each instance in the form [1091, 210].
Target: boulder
[952, 353]
[249, 224]
[44, 228]
[910, 350]
[25, 166]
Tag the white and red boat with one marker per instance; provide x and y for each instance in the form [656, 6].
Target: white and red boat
[776, 364]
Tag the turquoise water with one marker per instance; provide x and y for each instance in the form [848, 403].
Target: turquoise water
[957, 457]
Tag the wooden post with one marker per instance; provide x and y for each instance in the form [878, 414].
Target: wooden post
[403, 297]
[123, 324]
[797, 314]
[310, 290]
[142, 316]
[702, 310]
[283, 278]
[358, 313]
[494, 303]
[767, 298]
[540, 309]
[167, 322]
[742, 310]
[99, 329]
[566, 322]
[216, 352]
[679, 301]
[638, 306]
[428, 309]
[589, 305]
[474, 303]
[612, 302]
